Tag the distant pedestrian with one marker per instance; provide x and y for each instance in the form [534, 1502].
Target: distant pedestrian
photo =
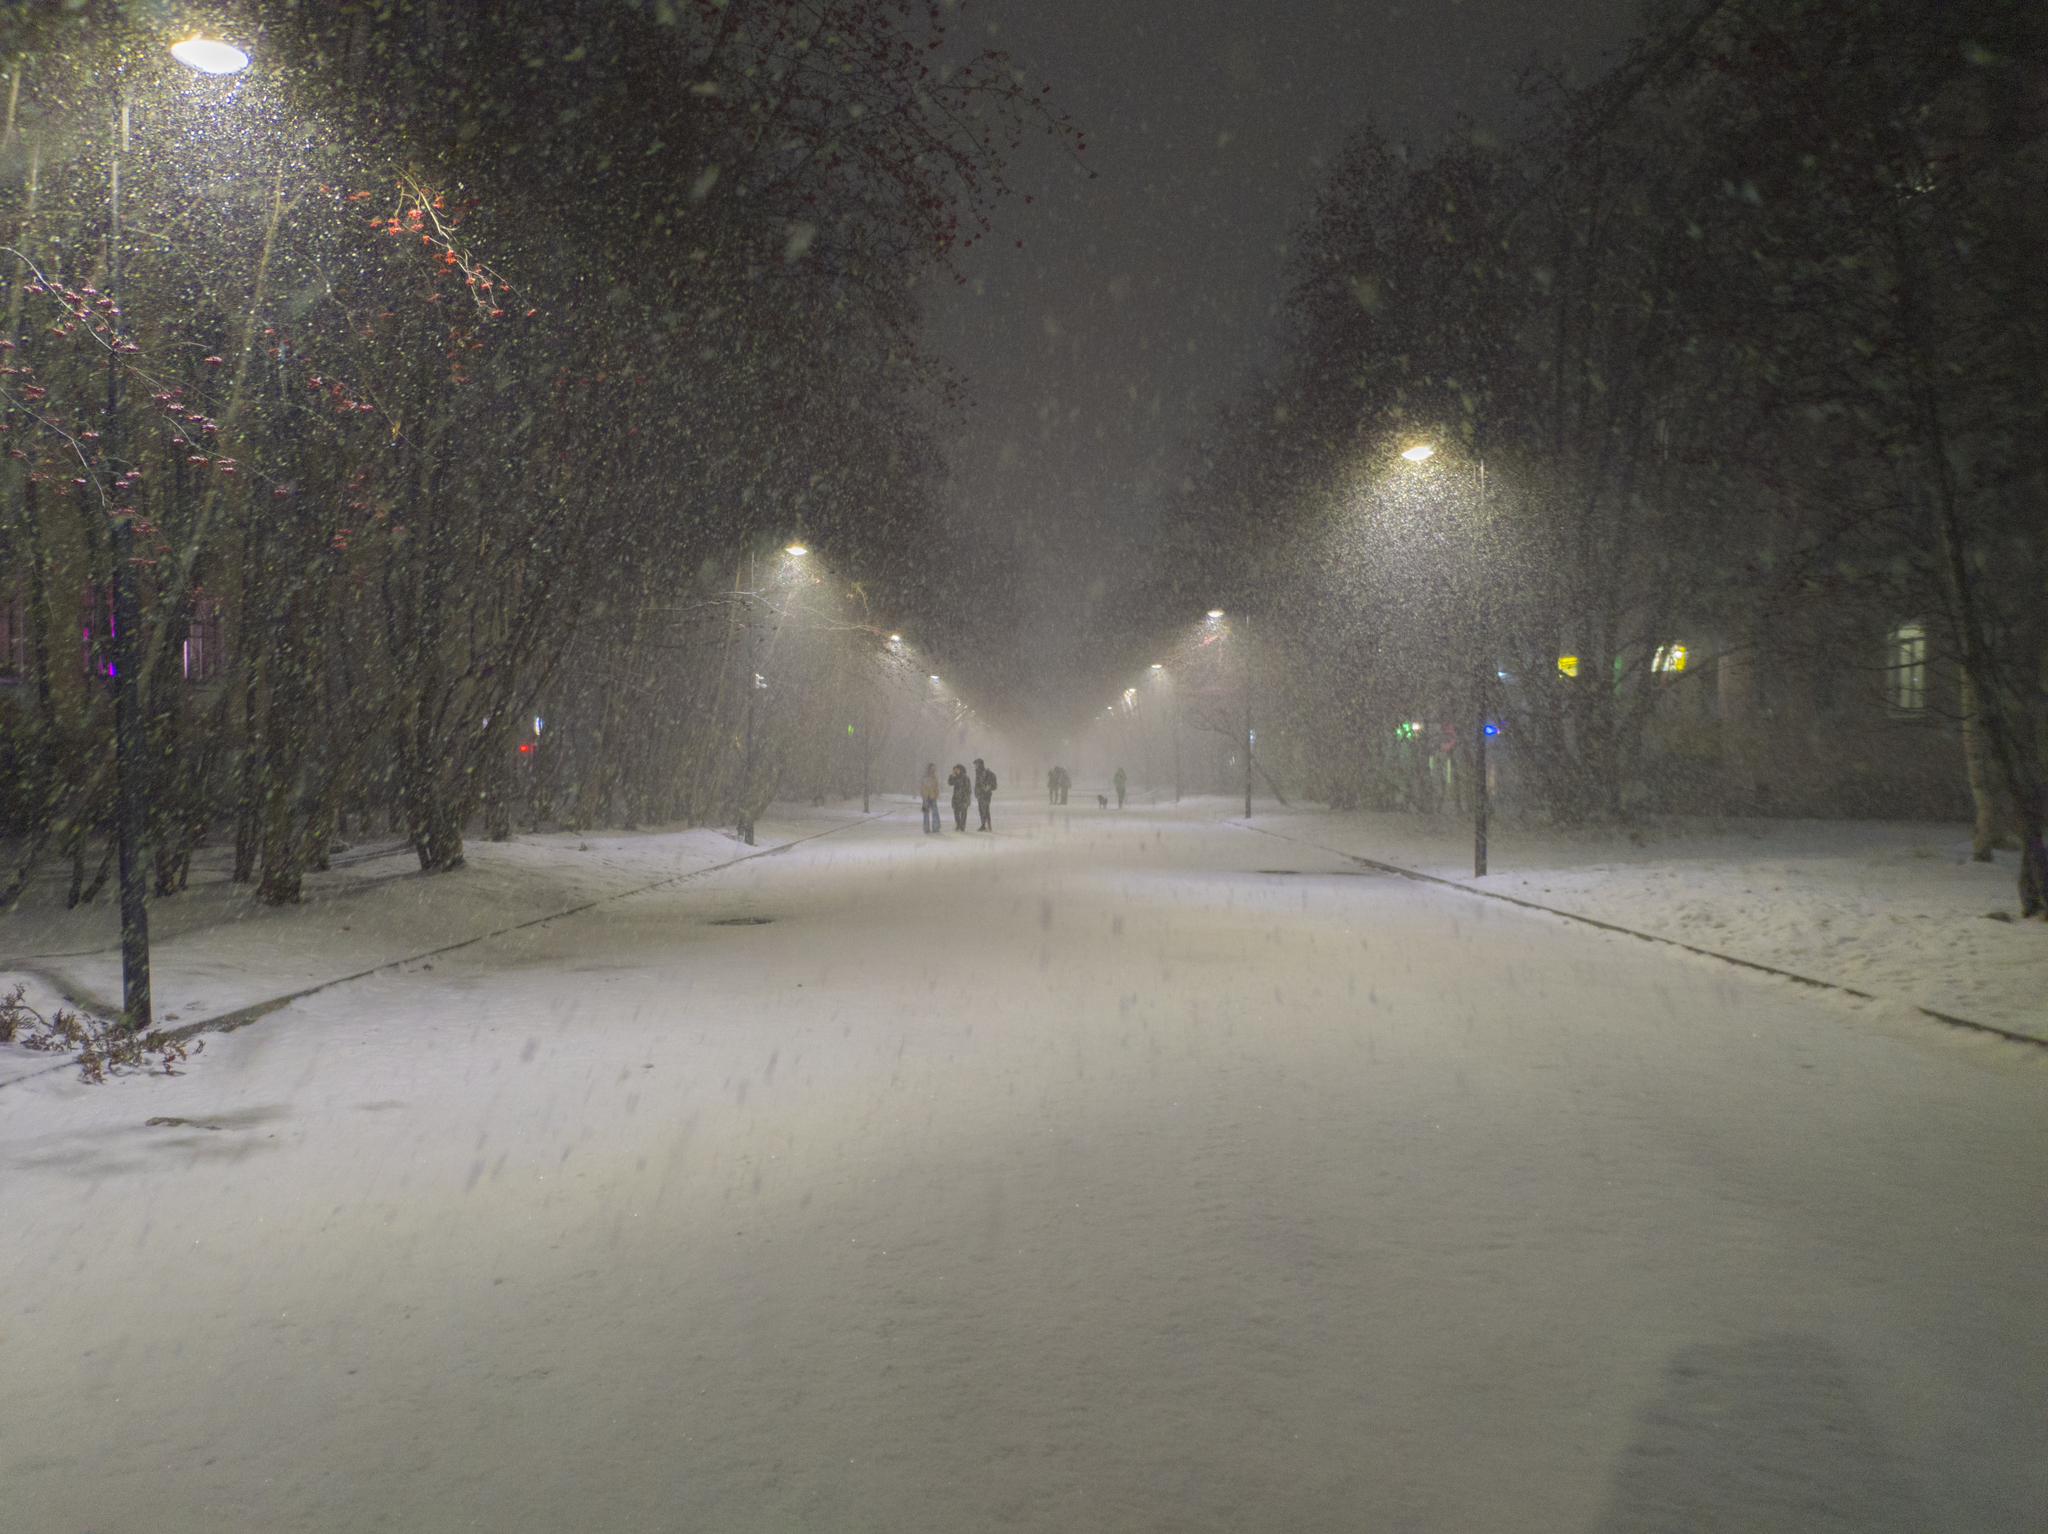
[963, 790]
[1066, 782]
[984, 790]
[928, 791]
[1052, 786]
[1119, 780]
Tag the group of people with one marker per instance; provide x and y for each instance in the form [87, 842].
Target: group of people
[1059, 781]
[981, 788]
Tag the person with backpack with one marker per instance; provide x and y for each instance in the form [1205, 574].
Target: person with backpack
[962, 789]
[984, 790]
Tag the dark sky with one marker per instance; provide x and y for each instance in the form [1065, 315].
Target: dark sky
[1143, 297]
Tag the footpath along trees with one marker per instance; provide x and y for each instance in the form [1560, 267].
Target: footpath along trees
[382, 485]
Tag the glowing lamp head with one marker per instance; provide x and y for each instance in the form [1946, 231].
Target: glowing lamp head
[1157, 666]
[210, 57]
[796, 549]
[895, 639]
[1215, 612]
[1419, 452]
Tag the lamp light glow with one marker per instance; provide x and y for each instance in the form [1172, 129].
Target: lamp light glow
[895, 639]
[210, 57]
[1418, 452]
[1215, 612]
[797, 549]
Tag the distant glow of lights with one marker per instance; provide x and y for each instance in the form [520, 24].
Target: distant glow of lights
[536, 724]
[1567, 665]
[1419, 452]
[895, 639]
[209, 57]
[1407, 731]
[1493, 729]
[1670, 657]
[935, 676]
[1157, 666]
[1215, 612]
[797, 549]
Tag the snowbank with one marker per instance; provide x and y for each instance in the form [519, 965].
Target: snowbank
[1896, 910]
[216, 950]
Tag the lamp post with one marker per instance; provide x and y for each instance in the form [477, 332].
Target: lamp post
[1421, 453]
[131, 748]
[1479, 794]
[131, 754]
[1216, 613]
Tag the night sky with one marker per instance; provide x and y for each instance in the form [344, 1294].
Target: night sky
[1146, 295]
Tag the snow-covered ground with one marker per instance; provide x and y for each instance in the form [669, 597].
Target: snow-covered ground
[1895, 910]
[1078, 1177]
[216, 951]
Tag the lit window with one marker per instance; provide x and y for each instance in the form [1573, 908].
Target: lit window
[1670, 657]
[1567, 665]
[1905, 679]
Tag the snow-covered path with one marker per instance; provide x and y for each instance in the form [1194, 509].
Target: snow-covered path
[1083, 1177]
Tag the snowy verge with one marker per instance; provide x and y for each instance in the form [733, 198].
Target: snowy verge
[216, 952]
[1894, 909]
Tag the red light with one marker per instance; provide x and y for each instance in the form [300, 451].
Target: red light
[526, 745]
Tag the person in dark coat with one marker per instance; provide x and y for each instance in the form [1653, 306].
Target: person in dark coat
[1052, 786]
[962, 791]
[1120, 780]
[984, 790]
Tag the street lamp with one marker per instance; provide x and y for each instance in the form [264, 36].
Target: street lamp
[797, 550]
[209, 57]
[1417, 454]
[1214, 614]
[131, 752]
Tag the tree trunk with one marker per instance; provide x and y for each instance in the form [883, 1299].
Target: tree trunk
[1990, 830]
